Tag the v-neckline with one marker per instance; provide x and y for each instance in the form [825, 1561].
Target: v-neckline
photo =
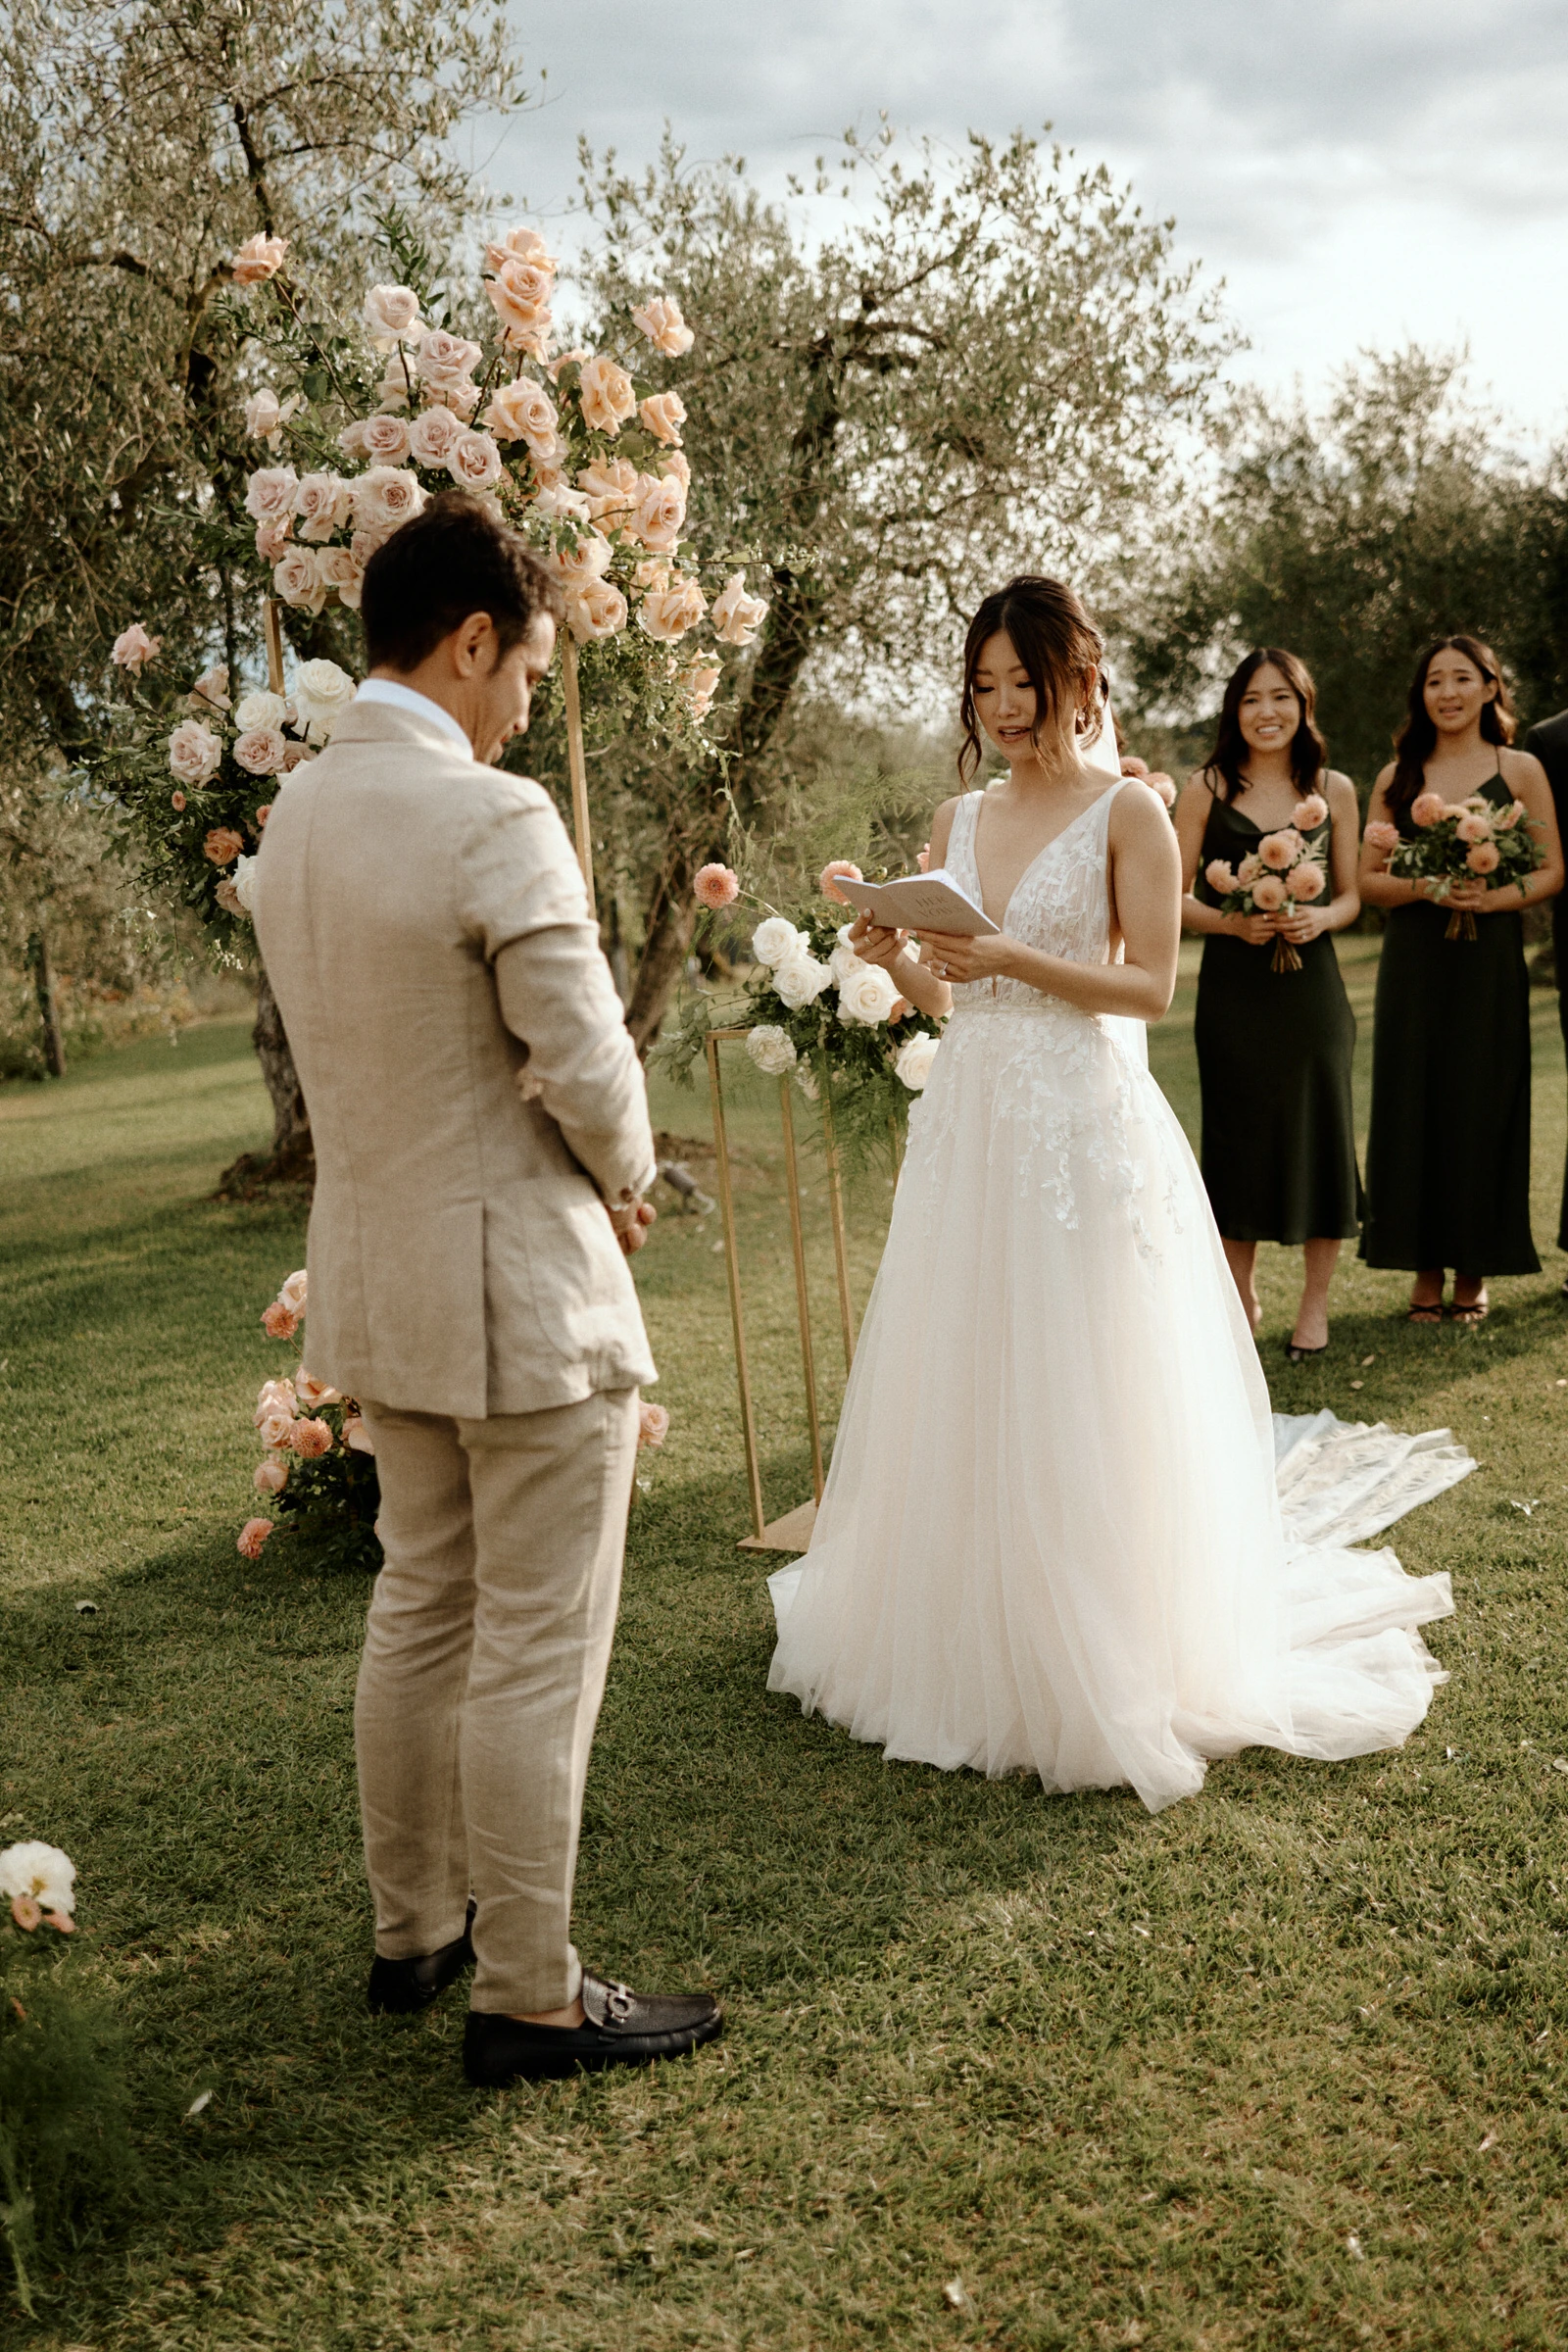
[974, 848]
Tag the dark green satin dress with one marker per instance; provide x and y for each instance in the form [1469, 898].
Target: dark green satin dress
[1274, 1064]
[1448, 1157]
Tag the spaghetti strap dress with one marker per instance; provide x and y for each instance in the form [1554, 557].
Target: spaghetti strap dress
[1274, 1056]
[1448, 1155]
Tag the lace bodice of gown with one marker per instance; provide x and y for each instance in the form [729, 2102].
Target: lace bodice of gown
[1060, 904]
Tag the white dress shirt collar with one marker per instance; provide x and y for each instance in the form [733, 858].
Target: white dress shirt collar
[407, 698]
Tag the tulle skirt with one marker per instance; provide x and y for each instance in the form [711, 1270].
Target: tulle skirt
[1052, 1537]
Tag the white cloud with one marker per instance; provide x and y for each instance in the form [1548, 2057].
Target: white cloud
[1359, 173]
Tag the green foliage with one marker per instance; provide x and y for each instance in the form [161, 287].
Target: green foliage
[1354, 535]
[66, 2163]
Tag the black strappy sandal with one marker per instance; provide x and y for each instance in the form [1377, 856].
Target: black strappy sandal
[1300, 1355]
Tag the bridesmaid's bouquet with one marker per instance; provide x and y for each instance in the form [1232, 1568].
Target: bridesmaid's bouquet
[1284, 871]
[1460, 841]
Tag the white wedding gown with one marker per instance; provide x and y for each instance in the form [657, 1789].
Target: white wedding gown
[1056, 1536]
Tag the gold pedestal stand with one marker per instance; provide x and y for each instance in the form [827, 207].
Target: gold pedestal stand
[792, 1532]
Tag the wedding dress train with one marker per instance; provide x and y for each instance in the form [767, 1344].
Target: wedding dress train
[1060, 1532]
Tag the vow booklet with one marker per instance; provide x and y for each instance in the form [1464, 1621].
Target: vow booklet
[919, 902]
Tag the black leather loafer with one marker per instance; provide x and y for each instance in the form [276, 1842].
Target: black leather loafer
[622, 2029]
[399, 1987]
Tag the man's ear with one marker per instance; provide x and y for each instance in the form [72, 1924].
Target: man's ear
[467, 643]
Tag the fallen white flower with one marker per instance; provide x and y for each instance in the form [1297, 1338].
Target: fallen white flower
[40, 1871]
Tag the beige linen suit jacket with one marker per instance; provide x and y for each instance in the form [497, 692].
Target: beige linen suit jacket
[426, 933]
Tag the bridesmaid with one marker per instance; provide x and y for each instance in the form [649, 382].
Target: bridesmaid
[1448, 1159]
[1274, 1048]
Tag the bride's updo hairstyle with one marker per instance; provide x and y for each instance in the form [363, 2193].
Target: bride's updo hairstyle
[1308, 751]
[1058, 646]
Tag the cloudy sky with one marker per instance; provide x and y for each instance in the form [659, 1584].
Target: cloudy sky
[1360, 172]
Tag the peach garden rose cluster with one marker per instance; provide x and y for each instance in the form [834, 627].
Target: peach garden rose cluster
[578, 449]
[1288, 868]
[318, 1471]
[1466, 841]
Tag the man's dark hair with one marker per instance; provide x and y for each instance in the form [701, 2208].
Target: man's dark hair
[453, 560]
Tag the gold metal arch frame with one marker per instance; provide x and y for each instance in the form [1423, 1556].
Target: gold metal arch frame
[792, 1532]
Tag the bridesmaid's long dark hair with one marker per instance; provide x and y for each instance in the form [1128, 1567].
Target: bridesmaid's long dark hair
[1308, 751]
[1056, 644]
[1417, 737]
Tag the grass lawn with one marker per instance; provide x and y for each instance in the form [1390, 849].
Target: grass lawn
[1279, 2068]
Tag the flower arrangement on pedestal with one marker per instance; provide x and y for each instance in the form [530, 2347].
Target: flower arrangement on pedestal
[319, 1468]
[817, 1008]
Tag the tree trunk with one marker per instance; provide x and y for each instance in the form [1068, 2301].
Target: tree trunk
[667, 942]
[292, 1158]
[43, 980]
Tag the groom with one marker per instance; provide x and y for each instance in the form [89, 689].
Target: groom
[482, 1144]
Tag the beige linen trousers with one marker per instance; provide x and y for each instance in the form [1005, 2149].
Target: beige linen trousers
[474, 1099]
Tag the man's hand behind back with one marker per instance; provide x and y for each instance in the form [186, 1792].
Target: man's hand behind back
[630, 1225]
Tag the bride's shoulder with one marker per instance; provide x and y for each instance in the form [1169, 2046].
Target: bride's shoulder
[1139, 818]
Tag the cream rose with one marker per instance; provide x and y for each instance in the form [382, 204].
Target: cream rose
[677, 466]
[699, 683]
[244, 885]
[260, 710]
[557, 503]
[772, 1049]
[385, 497]
[663, 415]
[801, 981]
[296, 580]
[606, 396]
[737, 617]
[269, 493]
[519, 292]
[132, 649]
[667, 614]
[392, 316]
[434, 436]
[313, 1394]
[294, 1291]
[867, 996]
[386, 439]
[259, 257]
[271, 538]
[595, 609]
[775, 941]
[844, 962]
[446, 362]
[195, 753]
[339, 568]
[589, 560]
[662, 323]
[474, 462]
[912, 1061]
[524, 411]
[260, 751]
[611, 487]
[659, 514]
[321, 694]
[520, 245]
[266, 415]
[323, 502]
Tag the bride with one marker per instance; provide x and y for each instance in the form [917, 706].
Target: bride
[1053, 1539]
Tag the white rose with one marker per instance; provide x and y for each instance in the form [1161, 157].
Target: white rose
[776, 940]
[392, 316]
[772, 1049]
[296, 580]
[269, 493]
[245, 882]
[321, 694]
[844, 962]
[260, 711]
[913, 1060]
[321, 501]
[595, 609]
[662, 323]
[557, 503]
[867, 996]
[41, 1872]
[294, 1291]
[801, 979]
[195, 753]
[260, 751]
[474, 462]
[737, 617]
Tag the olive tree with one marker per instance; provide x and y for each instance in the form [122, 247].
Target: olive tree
[983, 367]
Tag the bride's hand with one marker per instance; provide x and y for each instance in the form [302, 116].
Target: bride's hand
[948, 956]
[875, 945]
